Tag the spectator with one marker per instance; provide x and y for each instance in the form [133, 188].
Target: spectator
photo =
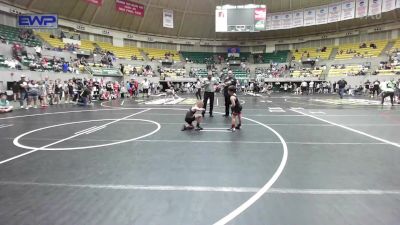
[33, 92]
[23, 91]
[38, 51]
[15, 89]
[4, 104]
[42, 94]
[342, 85]
[145, 87]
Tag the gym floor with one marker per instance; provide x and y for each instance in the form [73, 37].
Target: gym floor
[305, 160]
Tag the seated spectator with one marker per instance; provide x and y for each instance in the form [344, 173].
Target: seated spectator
[5, 104]
[13, 64]
[3, 39]
[38, 50]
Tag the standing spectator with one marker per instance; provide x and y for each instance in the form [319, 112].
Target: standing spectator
[311, 89]
[366, 87]
[342, 85]
[304, 86]
[116, 89]
[23, 91]
[388, 89]
[42, 94]
[70, 91]
[398, 91]
[15, 89]
[123, 90]
[50, 91]
[145, 87]
[33, 92]
[122, 68]
[57, 92]
[38, 51]
[135, 87]
[229, 80]
[65, 91]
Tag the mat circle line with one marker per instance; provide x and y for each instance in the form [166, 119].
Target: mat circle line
[264, 189]
[18, 144]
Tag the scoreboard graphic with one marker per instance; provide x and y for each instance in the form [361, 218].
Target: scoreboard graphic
[240, 18]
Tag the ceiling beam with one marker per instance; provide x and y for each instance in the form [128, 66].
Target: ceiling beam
[94, 14]
[30, 4]
[183, 18]
[73, 9]
[145, 15]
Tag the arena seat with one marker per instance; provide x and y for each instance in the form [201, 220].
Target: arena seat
[313, 53]
[160, 54]
[11, 35]
[198, 57]
[173, 73]
[389, 72]
[87, 45]
[354, 69]
[53, 42]
[363, 52]
[202, 73]
[2, 61]
[306, 73]
[121, 52]
[276, 57]
[396, 45]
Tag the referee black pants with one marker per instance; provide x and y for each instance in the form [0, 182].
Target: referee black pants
[208, 95]
[227, 104]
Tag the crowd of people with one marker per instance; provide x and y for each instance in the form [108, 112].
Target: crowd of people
[26, 34]
[42, 93]
[274, 70]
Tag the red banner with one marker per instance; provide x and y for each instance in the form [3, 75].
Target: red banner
[260, 15]
[129, 7]
[96, 2]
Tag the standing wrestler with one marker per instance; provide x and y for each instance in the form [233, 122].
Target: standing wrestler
[229, 80]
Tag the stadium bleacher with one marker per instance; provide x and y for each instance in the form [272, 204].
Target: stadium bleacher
[276, 57]
[312, 53]
[306, 73]
[11, 35]
[396, 46]
[121, 52]
[349, 51]
[347, 70]
[197, 57]
[160, 54]
[53, 42]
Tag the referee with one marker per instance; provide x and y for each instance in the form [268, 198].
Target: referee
[209, 89]
[229, 80]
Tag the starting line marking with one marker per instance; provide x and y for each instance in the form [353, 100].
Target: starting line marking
[209, 189]
[276, 109]
[5, 125]
[213, 130]
[318, 112]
